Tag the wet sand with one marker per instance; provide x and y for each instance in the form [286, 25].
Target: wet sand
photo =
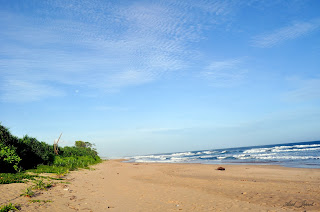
[117, 186]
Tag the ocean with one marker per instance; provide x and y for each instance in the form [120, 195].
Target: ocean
[299, 155]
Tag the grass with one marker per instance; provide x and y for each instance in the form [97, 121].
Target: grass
[39, 201]
[48, 169]
[9, 207]
[28, 192]
[60, 167]
[40, 185]
[73, 163]
[7, 178]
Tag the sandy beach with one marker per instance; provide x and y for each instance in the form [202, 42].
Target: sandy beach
[117, 186]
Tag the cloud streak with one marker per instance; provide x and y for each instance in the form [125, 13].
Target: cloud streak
[291, 32]
[27, 91]
[101, 45]
[306, 90]
[225, 73]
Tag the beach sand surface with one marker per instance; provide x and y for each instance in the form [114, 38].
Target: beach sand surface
[117, 186]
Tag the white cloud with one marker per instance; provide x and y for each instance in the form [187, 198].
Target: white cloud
[226, 73]
[293, 31]
[22, 91]
[102, 45]
[306, 89]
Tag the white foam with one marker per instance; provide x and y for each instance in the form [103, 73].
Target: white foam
[286, 157]
[150, 157]
[294, 150]
[283, 149]
[258, 150]
[183, 154]
[208, 152]
[242, 156]
[208, 156]
[305, 146]
[176, 159]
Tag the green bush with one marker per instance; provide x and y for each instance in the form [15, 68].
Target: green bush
[6, 138]
[28, 153]
[9, 160]
[33, 152]
[77, 151]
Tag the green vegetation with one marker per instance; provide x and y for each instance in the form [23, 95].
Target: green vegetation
[9, 158]
[39, 201]
[40, 185]
[7, 178]
[18, 155]
[9, 207]
[28, 192]
[83, 144]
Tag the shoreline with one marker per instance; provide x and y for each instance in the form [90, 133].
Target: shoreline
[224, 163]
[298, 155]
[115, 185]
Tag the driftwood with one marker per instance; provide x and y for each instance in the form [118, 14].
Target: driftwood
[55, 145]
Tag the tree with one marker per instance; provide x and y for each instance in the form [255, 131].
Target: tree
[80, 144]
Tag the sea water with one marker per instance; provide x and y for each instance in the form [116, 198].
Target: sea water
[300, 155]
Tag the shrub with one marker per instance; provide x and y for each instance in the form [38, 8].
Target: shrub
[6, 138]
[77, 151]
[28, 152]
[9, 160]
[33, 152]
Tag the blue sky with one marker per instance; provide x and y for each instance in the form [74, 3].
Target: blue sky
[140, 77]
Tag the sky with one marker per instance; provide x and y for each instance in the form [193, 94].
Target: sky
[141, 76]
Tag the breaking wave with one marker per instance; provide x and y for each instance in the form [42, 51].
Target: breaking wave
[305, 154]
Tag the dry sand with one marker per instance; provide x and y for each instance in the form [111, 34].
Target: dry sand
[118, 186]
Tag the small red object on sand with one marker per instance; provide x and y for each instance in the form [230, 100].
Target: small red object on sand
[221, 168]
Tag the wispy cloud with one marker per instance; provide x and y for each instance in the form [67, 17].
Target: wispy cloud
[293, 31]
[305, 90]
[226, 73]
[27, 91]
[99, 44]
